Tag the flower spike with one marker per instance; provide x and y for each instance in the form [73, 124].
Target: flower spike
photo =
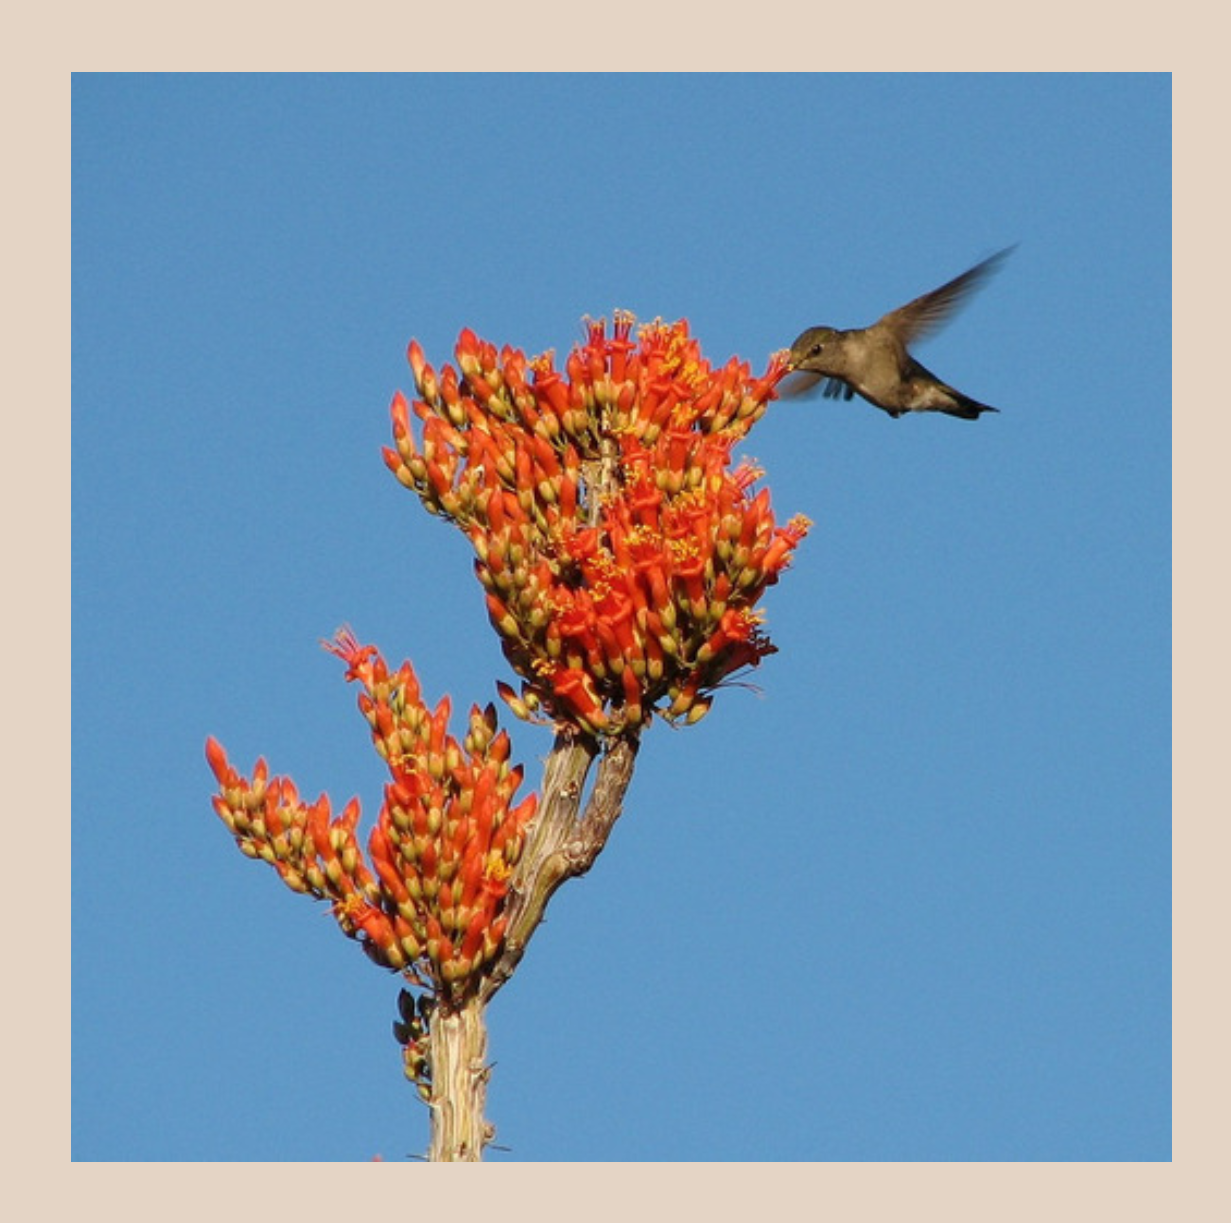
[612, 534]
[428, 899]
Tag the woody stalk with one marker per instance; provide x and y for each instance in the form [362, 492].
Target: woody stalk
[622, 554]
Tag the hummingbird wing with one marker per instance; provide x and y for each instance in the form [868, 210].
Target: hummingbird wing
[916, 318]
[800, 381]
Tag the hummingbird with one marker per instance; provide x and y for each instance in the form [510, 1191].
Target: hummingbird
[874, 361]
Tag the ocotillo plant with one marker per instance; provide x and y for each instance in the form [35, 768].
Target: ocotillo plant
[622, 553]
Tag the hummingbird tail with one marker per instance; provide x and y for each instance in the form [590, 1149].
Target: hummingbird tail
[968, 409]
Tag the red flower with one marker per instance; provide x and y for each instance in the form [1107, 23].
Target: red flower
[612, 534]
[448, 814]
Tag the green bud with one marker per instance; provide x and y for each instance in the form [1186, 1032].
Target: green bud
[700, 707]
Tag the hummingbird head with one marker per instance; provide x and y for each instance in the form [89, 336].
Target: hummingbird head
[815, 351]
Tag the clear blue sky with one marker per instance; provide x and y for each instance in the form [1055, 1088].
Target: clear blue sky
[908, 901]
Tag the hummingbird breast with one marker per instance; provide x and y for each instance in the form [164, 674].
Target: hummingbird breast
[873, 362]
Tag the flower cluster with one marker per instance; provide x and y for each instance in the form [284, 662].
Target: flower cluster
[429, 898]
[621, 554]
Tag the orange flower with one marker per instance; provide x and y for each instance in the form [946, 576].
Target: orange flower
[608, 523]
[448, 814]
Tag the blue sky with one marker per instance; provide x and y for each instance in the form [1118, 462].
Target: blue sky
[908, 900]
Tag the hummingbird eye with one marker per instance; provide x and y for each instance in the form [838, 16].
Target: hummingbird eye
[815, 350]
